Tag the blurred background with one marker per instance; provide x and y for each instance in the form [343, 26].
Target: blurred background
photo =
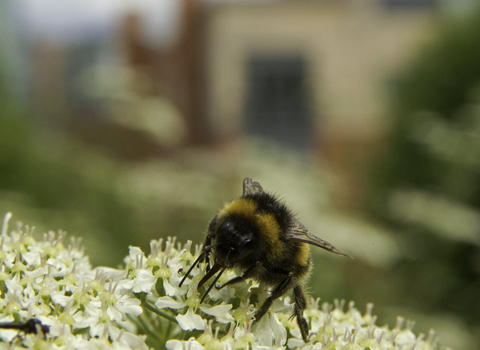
[125, 121]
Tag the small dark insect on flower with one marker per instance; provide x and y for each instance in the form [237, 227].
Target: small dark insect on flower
[260, 235]
[31, 326]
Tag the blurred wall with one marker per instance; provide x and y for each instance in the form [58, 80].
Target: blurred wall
[350, 49]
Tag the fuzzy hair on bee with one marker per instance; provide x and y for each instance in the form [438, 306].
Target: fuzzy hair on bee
[260, 235]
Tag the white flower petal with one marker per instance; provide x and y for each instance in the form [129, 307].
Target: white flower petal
[169, 302]
[144, 281]
[82, 321]
[169, 289]
[190, 344]
[59, 298]
[114, 315]
[35, 273]
[31, 258]
[127, 305]
[190, 321]
[7, 335]
[220, 312]
[94, 308]
[13, 286]
[112, 274]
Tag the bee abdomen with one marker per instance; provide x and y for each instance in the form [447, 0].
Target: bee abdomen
[303, 261]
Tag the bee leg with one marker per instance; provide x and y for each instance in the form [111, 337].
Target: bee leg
[207, 249]
[252, 271]
[281, 289]
[208, 240]
[300, 306]
[200, 257]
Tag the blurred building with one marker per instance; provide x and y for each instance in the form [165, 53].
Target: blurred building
[312, 74]
[119, 75]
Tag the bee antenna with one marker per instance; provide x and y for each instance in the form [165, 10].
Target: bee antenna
[202, 254]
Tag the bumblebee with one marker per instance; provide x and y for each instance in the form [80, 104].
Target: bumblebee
[259, 234]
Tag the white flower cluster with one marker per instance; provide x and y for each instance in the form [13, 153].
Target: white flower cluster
[105, 308]
[84, 308]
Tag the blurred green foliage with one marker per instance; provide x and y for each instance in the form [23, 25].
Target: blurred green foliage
[41, 173]
[436, 130]
[440, 81]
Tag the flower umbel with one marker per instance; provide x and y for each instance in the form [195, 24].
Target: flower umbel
[106, 308]
[54, 283]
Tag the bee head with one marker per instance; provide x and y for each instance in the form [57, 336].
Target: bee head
[235, 241]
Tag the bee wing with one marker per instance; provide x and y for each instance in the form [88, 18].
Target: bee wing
[251, 187]
[300, 233]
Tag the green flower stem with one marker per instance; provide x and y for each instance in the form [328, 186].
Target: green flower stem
[158, 312]
[145, 326]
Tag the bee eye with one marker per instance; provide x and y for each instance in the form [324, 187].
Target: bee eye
[227, 227]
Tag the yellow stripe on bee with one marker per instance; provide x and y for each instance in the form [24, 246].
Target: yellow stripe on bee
[266, 223]
[242, 207]
[303, 254]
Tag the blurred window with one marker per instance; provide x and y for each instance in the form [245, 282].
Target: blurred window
[277, 100]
